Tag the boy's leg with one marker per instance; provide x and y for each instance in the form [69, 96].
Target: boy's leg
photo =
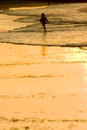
[44, 27]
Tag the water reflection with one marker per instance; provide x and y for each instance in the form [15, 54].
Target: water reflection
[44, 41]
[24, 8]
[43, 50]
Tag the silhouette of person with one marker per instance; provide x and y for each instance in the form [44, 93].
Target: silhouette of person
[44, 21]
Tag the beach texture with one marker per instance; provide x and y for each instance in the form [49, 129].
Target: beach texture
[41, 87]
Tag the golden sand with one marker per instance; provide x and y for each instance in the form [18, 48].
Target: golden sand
[42, 88]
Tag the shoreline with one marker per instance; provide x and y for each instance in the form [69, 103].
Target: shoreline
[7, 5]
[23, 4]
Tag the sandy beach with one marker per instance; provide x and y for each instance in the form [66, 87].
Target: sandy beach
[41, 87]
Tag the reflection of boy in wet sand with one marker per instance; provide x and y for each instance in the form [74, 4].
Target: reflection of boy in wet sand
[43, 21]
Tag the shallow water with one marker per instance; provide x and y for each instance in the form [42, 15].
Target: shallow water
[43, 85]
[67, 27]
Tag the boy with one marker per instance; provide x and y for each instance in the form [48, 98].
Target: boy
[44, 21]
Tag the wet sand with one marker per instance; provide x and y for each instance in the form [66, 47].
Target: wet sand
[42, 88]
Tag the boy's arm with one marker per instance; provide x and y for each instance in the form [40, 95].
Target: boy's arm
[47, 20]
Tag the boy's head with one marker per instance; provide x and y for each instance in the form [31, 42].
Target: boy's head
[43, 14]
